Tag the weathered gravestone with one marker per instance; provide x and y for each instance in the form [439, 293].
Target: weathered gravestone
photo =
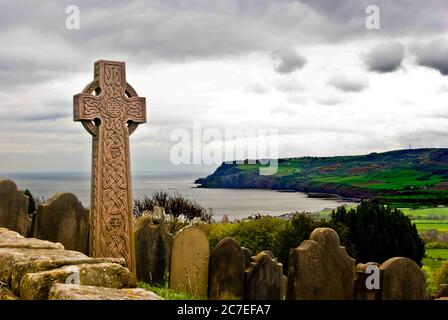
[189, 262]
[63, 219]
[13, 207]
[402, 279]
[153, 246]
[320, 269]
[360, 289]
[110, 110]
[264, 278]
[227, 265]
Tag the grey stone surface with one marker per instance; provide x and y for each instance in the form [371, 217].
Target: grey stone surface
[9, 257]
[12, 239]
[20, 269]
[36, 286]
[79, 292]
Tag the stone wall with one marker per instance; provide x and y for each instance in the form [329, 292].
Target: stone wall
[33, 269]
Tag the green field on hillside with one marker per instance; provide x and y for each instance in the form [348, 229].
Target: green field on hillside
[396, 179]
[437, 253]
[426, 213]
[401, 178]
[424, 225]
[435, 258]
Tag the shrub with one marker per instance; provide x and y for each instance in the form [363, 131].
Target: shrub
[442, 274]
[430, 276]
[259, 234]
[175, 205]
[437, 245]
[218, 231]
[31, 202]
[377, 233]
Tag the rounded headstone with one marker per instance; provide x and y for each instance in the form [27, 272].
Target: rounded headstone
[153, 246]
[264, 278]
[320, 269]
[189, 262]
[227, 265]
[63, 219]
[402, 279]
[13, 207]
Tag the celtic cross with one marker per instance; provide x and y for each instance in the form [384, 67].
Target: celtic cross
[110, 110]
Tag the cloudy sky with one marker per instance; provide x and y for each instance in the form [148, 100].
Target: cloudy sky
[309, 69]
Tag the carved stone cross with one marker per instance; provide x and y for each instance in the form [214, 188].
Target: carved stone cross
[110, 110]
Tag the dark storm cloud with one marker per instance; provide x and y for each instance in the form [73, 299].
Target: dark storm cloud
[398, 17]
[287, 61]
[37, 47]
[385, 57]
[433, 54]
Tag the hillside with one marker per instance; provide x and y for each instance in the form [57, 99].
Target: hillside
[412, 177]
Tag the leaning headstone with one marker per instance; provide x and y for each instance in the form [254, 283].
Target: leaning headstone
[227, 265]
[264, 278]
[153, 252]
[13, 207]
[189, 262]
[402, 279]
[320, 269]
[110, 110]
[63, 219]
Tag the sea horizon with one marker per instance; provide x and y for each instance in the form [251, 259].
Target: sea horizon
[235, 203]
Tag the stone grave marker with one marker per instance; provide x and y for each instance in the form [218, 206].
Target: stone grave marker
[264, 278]
[402, 279]
[110, 110]
[153, 246]
[320, 269]
[13, 207]
[63, 219]
[227, 265]
[189, 262]
[360, 290]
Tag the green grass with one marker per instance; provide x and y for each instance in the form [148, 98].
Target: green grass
[435, 258]
[165, 292]
[439, 225]
[426, 213]
[281, 170]
[396, 179]
[432, 263]
[437, 253]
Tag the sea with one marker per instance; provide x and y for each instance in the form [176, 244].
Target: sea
[235, 203]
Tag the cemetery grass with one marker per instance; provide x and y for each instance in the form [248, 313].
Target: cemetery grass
[165, 292]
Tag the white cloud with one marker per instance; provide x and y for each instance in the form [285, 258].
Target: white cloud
[211, 61]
